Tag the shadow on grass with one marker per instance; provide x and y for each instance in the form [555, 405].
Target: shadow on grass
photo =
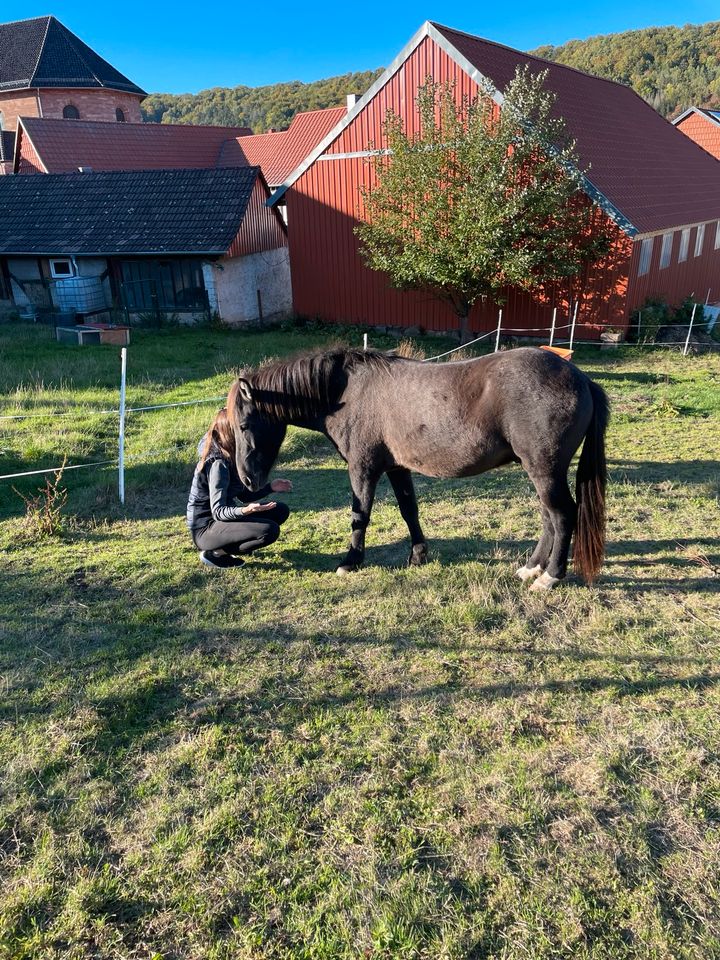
[676, 472]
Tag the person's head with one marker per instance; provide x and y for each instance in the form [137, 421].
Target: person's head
[220, 435]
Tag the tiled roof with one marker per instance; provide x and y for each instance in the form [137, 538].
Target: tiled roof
[7, 145]
[44, 53]
[279, 153]
[64, 146]
[129, 213]
[650, 172]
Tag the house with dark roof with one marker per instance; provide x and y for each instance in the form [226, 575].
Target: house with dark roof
[654, 191]
[47, 71]
[181, 242]
[702, 126]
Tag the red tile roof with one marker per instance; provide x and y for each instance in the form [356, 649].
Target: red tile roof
[278, 154]
[648, 170]
[65, 145]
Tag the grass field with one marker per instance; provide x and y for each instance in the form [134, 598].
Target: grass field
[407, 763]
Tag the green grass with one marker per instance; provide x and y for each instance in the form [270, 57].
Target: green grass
[405, 763]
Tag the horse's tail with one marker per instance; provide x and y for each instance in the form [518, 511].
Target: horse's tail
[589, 548]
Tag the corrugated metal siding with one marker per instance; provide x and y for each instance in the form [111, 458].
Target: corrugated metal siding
[261, 227]
[695, 276]
[329, 279]
[703, 131]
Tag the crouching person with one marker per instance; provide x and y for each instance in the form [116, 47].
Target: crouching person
[222, 530]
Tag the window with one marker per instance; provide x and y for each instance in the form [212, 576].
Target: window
[71, 112]
[684, 244]
[120, 115]
[699, 239]
[59, 269]
[645, 256]
[666, 250]
[162, 285]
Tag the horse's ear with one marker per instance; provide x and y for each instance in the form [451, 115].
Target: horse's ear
[245, 390]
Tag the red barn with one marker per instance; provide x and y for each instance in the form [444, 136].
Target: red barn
[654, 190]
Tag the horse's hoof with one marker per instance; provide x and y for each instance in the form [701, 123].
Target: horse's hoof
[527, 573]
[343, 571]
[418, 555]
[545, 582]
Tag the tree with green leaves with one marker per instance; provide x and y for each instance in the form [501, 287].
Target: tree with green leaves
[479, 198]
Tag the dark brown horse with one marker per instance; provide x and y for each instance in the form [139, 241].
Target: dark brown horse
[388, 414]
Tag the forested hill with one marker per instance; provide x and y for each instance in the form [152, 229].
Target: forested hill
[261, 108]
[671, 67]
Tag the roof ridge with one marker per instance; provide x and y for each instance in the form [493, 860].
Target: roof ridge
[11, 23]
[531, 56]
[40, 49]
[138, 123]
[70, 39]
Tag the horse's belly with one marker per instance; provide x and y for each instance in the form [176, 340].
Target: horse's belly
[448, 456]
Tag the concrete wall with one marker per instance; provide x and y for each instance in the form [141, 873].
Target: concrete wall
[233, 285]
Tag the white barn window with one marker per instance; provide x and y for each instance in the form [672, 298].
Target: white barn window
[646, 249]
[684, 245]
[666, 250]
[699, 239]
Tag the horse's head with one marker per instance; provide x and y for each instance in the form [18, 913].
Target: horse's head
[257, 439]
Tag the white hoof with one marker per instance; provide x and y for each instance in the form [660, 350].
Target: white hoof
[545, 582]
[527, 573]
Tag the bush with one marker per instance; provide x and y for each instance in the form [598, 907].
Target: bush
[44, 511]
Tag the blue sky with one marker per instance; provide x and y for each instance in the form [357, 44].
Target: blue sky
[185, 47]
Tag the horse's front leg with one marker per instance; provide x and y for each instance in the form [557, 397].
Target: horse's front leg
[402, 483]
[363, 490]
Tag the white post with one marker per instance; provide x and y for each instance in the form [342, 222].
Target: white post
[572, 326]
[639, 323]
[364, 341]
[687, 339]
[552, 328]
[121, 439]
[497, 338]
[707, 298]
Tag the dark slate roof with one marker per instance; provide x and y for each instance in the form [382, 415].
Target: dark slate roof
[193, 212]
[7, 146]
[44, 53]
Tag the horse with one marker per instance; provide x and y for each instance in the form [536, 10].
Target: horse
[385, 413]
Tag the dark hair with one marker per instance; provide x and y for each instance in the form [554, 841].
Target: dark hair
[220, 435]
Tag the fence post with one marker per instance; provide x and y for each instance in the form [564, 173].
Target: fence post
[121, 438]
[572, 325]
[552, 328]
[497, 338]
[364, 341]
[639, 322]
[687, 339]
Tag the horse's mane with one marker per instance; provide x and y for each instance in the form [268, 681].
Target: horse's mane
[310, 384]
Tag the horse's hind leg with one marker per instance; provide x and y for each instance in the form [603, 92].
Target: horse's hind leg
[540, 556]
[557, 500]
[402, 483]
[363, 490]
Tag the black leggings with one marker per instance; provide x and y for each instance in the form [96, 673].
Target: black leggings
[242, 536]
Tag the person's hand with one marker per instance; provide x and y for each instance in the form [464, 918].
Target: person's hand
[251, 508]
[281, 486]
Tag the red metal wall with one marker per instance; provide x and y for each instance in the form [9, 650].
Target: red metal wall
[261, 228]
[696, 276]
[329, 279]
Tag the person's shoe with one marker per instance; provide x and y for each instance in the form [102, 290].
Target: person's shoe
[221, 561]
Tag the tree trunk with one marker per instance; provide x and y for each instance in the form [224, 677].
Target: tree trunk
[463, 315]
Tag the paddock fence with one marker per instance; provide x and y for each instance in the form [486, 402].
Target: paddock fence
[501, 335]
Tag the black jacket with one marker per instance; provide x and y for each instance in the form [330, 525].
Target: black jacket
[214, 489]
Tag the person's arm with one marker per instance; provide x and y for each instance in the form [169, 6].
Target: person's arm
[219, 489]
